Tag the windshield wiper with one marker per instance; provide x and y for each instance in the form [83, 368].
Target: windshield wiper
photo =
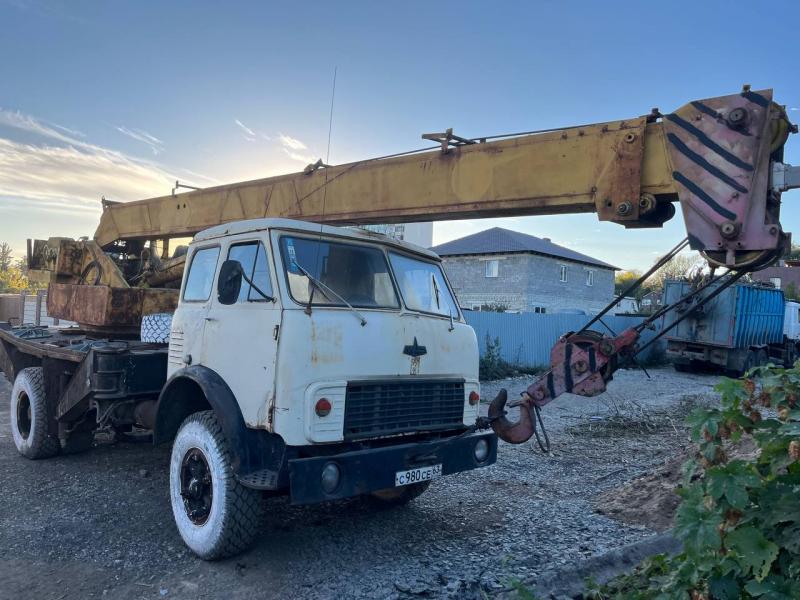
[325, 289]
[258, 289]
[436, 290]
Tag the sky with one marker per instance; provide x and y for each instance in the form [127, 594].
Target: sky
[119, 99]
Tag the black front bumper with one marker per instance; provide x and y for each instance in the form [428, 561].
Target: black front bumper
[364, 471]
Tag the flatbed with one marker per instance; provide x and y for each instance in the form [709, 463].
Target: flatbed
[99, 383]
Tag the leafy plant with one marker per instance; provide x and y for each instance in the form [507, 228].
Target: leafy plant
[739, 520]
[492, 365]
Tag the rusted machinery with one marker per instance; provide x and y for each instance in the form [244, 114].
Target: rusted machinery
[721, 158]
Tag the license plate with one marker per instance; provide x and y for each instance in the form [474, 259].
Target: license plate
[417, 475]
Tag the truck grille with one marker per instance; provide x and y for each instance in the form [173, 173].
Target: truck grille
[374, 408]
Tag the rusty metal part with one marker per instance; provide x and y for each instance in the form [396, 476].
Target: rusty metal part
[168, 272]
[105, 306]
[580, 364]
[513, 433]
[720, 150]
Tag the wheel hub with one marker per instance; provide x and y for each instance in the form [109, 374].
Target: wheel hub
[24, 415]
[196, 486]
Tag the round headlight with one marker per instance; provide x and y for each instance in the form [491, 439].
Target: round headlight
[481, 450]
[330, 477]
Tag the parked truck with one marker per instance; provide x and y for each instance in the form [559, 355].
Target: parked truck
[744, 326]
[317, 362]
[325, 363]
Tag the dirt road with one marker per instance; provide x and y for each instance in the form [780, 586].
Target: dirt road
[99, 524]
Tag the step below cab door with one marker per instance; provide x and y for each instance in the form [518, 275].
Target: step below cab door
[241, 339]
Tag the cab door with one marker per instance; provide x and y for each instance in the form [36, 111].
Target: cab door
[186, 345]
[241, 339]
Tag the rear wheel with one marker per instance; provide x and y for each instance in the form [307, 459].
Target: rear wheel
[398, 496]
[762, 358]
[216, 516]
[29, 416]
[683, 367]
[750, 362]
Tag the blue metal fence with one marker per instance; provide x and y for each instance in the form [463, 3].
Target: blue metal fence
[527, 338]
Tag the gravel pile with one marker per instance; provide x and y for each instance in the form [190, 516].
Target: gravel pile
[99, 524]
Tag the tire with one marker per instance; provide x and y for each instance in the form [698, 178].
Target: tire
[397, 496]
[683, 367]
[219, 517]
[155, 328]
[750, 362]
[762, 358]
[28, 414]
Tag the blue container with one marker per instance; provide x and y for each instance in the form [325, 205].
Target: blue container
[739, 317]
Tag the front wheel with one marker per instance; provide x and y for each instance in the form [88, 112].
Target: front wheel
[29, 416]
[216, 516]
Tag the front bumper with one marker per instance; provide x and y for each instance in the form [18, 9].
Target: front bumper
[365, 471]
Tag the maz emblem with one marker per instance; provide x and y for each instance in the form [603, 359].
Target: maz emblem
[415, 351]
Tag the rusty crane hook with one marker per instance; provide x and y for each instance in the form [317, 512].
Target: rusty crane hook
[506, 430]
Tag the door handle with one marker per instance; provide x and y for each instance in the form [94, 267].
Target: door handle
[210, 319]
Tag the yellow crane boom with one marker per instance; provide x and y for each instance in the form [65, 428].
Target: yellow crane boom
[720, 157]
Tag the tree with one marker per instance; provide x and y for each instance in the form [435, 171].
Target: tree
[791, 292]
[12, 280]
[682, 266]
[794, 253]
[5, 256]
[624, 279]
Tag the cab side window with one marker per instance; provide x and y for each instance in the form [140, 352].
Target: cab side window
[201, 275]
[253, 258]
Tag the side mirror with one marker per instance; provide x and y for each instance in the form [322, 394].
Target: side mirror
[229, 282]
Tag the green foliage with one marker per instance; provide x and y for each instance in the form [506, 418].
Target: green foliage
[12, 280]
[791, 292]
[492, 365]
[739, 520]
[494, 307]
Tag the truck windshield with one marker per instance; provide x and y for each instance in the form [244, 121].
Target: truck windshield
[423, 286]
[358, 274]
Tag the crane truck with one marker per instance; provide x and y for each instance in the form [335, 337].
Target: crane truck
[324, 363]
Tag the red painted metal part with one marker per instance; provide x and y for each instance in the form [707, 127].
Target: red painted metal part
[581, 364]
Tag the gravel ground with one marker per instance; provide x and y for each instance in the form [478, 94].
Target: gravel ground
[99, 524]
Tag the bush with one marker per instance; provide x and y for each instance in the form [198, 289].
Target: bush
[739, 520]
[493, 366]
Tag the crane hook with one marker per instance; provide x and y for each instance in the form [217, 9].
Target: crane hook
[506, 430]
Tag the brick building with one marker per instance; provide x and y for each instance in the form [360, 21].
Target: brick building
[525, 273]
[784, 276]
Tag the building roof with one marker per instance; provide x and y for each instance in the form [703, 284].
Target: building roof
[504, 241]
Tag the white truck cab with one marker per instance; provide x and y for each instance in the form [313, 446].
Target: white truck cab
[791, 321]
[319, 361]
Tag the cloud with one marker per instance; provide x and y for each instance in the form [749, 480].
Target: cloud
[50, 179]
[156, 145]
[47, 175]
[303, 158]
[291, 143]
[249, 134]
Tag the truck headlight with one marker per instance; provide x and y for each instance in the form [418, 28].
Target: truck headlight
[331, 474]
[481, 450]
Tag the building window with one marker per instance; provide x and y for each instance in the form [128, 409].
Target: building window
[539, 310]
[589, 278]
[492, 266]
[776, 281]
[563, 274]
